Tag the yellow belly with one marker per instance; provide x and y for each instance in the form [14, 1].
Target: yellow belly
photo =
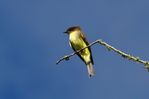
[79, 44]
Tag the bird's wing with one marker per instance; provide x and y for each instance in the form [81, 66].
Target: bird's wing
[87, 43]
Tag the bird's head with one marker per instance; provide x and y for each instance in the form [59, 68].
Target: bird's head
[72, 29]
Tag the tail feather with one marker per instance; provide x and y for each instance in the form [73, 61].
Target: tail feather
[90, 69]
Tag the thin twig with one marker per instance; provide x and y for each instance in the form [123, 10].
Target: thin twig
[109, 47]
[66, 57]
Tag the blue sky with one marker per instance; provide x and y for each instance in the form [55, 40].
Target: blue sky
[32, 40]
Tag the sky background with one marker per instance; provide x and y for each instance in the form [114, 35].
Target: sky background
[32, 40]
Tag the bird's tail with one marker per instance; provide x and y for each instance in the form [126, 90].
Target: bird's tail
[90, 69]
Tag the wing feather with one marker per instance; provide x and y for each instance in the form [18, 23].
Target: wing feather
[87, 43]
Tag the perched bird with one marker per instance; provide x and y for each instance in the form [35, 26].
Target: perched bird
[78, 41]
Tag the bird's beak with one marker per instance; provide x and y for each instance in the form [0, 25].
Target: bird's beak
[65, 32]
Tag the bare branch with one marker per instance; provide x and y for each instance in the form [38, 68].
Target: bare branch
[109, 47]
[66, 57]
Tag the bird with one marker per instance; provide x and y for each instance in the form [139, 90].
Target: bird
[77, 41]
